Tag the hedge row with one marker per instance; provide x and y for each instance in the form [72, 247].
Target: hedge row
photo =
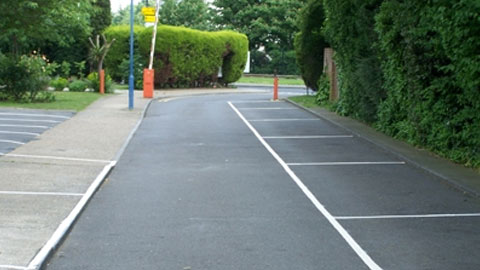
[183, 57]
[411, 68]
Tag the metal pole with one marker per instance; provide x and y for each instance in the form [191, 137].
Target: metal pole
[130, 78]
[154, 38]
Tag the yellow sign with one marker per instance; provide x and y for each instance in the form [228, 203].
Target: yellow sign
[150, 19]
[148, 11]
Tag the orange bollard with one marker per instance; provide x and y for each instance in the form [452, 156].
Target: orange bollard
[148, 76]
[102, 81]
[275, 88]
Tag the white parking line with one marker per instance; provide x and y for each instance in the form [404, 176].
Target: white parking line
[351, 242]
[56, 158]
[408, 216]
[36, 115]
[347, 163]
[309, 137]
[10, 267]
[19, 133]
[284, 119]
[24, 126]
[40, 193]
[254, 101]
[29, 120]
[12, 142]
[268, 108]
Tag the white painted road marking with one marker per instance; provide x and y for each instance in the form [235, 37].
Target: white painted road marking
[56, 158]
[35, 115]
[347, 163]
[408, 216]
[309, 137]
[29, 120]
[268, 108]
[13, 142]
[39, 193]
[25, 126]
[353, 244]
[284, 119]
[19, 133]
[10, 267]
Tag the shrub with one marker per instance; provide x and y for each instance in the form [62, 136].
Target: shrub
[184, 57]
[59, 83]
[309, 43]
[349, 28]
[94, 82]
[432, 70]
[78, 86]
[24, 77]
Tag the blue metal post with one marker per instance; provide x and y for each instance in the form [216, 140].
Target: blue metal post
[130, 78]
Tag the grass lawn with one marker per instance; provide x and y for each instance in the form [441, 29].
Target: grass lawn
[306, 101]
[72, 101]
[118, 86]
[269, 80]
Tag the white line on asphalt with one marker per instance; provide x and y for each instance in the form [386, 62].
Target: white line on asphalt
[268, 108]
[39, 193]
[19, 133]
[25, 126]
[353, 244]
[284, 119]
[10, 267]
[346, 163]
[408, 216]
[36, 115]
[309, 137]
[10, 141]
[254, 101]
[29, 120]
[67, 223]
[56, 158]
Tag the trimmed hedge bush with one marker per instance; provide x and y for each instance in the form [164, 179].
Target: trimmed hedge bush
[184, 57]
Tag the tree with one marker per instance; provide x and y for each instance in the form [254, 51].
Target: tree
[310, 42]
[101, 17]
[29, 24]
[269, 25]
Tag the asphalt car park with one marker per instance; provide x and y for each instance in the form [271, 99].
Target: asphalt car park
[240, 182]
[19, 126]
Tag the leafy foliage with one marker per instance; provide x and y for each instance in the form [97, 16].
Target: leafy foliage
[59, 83]
[309, 43]
[270, 26]
[78, 86]
[432, 70]
[94, 82]
[349, 28]
[184, 57]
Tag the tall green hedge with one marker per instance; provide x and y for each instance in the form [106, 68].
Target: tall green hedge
[349, 28]
[430, 57]
[310, 43]
[184, 57]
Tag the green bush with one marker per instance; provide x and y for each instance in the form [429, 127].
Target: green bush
[78, 86]
[310, 43]
[94, 82]
[432, 69]
[59, 83]
[183, 57]
[23, 77]
[349, 28]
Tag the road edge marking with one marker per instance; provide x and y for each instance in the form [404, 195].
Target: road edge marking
[348, 238]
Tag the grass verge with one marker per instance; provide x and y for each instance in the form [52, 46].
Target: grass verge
[269, 80]
[306, 101]
[72, 101]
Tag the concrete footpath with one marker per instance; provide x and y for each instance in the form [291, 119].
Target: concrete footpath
[46, 183]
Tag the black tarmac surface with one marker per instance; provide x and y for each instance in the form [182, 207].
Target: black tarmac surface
[196, 189]
[19, 126]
